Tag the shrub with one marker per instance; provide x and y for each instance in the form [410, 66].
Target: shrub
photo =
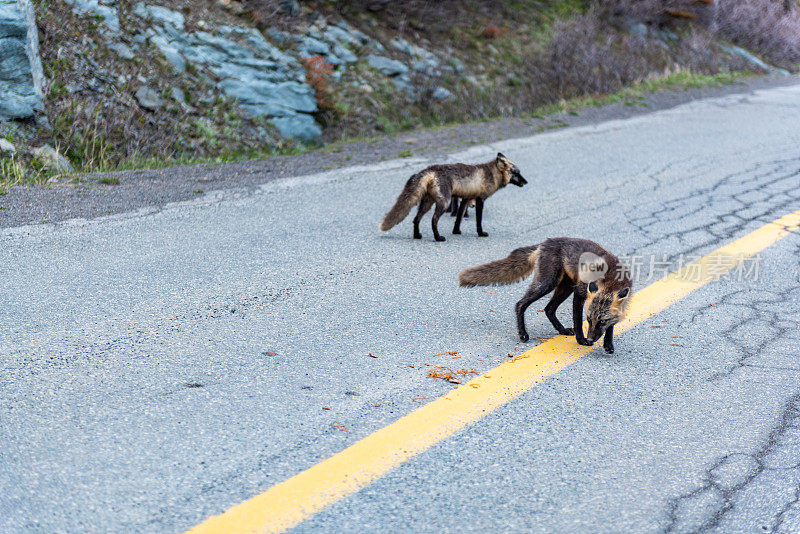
[318, 72]
[767, 27]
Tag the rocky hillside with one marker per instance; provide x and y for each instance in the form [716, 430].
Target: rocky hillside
[104, 84]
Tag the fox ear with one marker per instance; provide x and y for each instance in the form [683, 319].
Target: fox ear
[624, 293]
[501, 161]
[592, 287]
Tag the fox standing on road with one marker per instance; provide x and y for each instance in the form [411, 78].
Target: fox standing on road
[438, 183]
[596, 278]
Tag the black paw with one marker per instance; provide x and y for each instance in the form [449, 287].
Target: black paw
[457, 232]
[440, 238]
[483, 234]
[610, 349]
[584, 342]
[567, 332]
[524, 337]
[417, 236]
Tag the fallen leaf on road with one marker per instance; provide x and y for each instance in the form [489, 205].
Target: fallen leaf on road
[476, 386]
[325, 408]
[450, 352]
[419, 399]
[448, 375]
[713, 304]
[656, 326]
[372, 355]
[490, 291]
[269, 353]
[339, 426]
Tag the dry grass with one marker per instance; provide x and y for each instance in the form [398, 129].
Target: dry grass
[98, 122]
[767, 27]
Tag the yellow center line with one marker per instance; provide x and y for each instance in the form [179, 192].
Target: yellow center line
[285, 505]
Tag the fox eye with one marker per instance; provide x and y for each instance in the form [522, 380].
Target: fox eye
[592, 287]
[624, 293]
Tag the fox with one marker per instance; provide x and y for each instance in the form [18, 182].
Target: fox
[437, 184]
[563, 265]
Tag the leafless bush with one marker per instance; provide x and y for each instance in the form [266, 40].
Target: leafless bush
[654, 12]
[583, 58]
[768, 27]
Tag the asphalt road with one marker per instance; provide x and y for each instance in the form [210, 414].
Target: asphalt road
[160, 366]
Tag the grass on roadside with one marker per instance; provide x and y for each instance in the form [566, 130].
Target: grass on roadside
[13, 173]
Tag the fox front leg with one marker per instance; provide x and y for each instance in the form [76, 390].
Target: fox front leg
[608, 340]
[577, 318]
[479, 216]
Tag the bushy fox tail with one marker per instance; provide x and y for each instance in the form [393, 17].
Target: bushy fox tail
[415, 187]
[516, 266]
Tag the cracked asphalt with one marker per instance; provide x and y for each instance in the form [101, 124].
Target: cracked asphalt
[161, 365]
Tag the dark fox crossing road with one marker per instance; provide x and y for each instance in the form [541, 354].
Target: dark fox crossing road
[269, 360]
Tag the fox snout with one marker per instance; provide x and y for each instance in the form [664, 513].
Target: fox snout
[517, 179]
[595, 332]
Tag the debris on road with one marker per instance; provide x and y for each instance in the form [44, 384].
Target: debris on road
[339, 426]
[372, 355]
[445, 373]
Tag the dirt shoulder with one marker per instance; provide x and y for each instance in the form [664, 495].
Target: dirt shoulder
[90, 198]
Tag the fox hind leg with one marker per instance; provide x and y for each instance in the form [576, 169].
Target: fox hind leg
[424, 205]
[441, 207]
[562, 291]
[461, 209]
[544, 281]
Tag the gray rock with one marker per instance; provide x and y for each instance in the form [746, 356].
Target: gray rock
[425, 66]
[106, 12]
[638, 30]
[170, 52]
[291, 7]
[345, 55]
[310, 46]
[403, 83]
[51, 159]
[177, 95]
[6, 148]
[298, 126]
[271, 99]
[122, 50]
[159, 15]
[390, 67]
[361, 36]
[148, 98]
[226, 46]
[338, 35]
[402, 45]
[739, 51]
[21, 74]
[279, 36]
[440, 93]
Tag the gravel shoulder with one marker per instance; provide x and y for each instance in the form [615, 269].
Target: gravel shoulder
[88, 198]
